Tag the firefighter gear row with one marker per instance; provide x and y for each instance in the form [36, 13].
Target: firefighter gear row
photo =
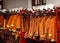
[42, 27]
[38, 26]
[12, 27]
[13, 22]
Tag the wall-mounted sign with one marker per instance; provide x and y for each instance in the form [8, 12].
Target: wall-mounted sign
[38, 2]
